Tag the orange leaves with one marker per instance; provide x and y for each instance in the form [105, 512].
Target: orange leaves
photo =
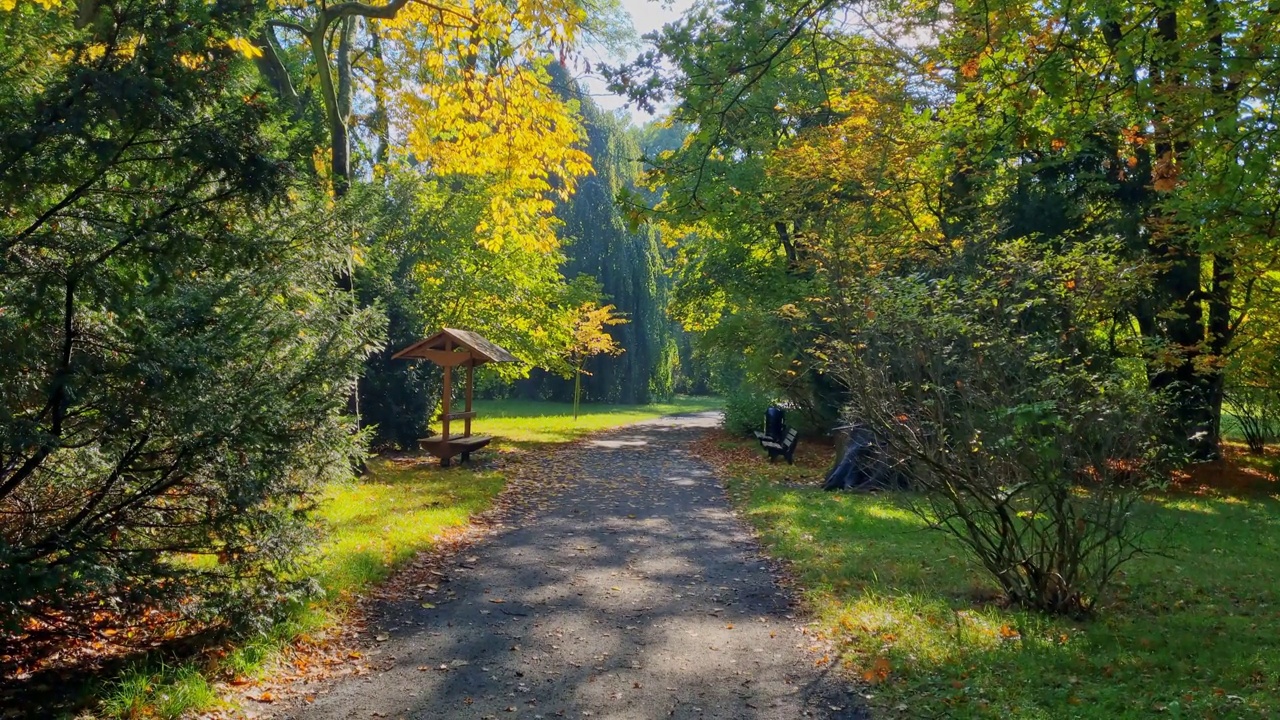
[1134, 135]
[1165, 174]
[878, 672]
[1008, 632]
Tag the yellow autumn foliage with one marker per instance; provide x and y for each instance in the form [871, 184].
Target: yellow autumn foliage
[46, 4]
[468, 94]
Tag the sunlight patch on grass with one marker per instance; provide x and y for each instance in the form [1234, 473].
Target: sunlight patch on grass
[373, 526]
[165, 692]
[1195, 633]
[1193, 505]
[522, 422]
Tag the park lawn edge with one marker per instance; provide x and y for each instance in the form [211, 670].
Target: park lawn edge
[919, 628]
[161, 689]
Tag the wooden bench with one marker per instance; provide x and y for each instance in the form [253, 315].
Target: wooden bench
[446, 447]
[785, 446]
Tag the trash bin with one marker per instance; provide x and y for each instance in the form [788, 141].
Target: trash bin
[775, 422]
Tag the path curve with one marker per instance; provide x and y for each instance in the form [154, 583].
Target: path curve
[624, 587]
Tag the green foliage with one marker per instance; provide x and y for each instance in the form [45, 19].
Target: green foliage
[1026, 444]
[177, 355]
[744, 410]
[1256, 411]
[373, 526]
[423, 268]
[1252, 388]
[165, 692]
[819, 150]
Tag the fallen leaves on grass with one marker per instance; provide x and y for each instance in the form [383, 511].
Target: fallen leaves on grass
[878, 672]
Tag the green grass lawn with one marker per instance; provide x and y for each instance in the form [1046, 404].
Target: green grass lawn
[523, 422]
[1192, 635]
[371, 527]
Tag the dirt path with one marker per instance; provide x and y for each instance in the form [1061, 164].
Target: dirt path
[623, 588]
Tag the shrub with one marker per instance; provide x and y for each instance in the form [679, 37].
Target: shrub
[1030, 452]
[744, 410]
[1256, 410]
[1255, 414]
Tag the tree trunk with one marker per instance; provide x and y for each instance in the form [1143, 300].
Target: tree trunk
[274, 71]
[1178, 282]
[380, 121]
[577, 391]
[340, 141]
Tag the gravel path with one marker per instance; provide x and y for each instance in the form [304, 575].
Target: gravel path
[621, 586]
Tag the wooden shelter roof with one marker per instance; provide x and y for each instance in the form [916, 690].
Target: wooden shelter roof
[477, 349]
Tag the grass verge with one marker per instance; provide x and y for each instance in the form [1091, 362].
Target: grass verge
[371, 527]
[1194, 634]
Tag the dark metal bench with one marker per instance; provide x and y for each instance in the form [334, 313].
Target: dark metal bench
[784, 446]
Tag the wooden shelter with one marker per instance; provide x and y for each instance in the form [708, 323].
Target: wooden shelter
[452, 348]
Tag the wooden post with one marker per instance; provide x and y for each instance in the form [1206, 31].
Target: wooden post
[448, 393]
[471, 370]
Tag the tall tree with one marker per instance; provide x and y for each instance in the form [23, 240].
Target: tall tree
[423, 269]
[625, 260]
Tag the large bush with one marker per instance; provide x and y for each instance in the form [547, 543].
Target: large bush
[744, 409]
[1028, 447]
[177, 358]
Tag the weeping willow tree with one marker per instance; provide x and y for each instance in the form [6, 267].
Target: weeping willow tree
[626, 262]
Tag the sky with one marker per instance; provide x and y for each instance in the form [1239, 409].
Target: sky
[646, 15]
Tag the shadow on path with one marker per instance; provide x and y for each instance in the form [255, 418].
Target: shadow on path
[621, 587]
